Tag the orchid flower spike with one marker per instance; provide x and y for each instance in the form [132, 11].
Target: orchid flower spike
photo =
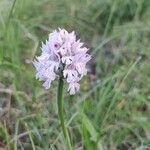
[62, 55]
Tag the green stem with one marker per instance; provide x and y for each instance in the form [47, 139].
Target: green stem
[60, 113]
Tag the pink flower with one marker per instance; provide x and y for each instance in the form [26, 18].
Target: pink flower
[73, 88]
[62, 53]
[71, 74]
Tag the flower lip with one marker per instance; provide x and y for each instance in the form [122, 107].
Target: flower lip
[57, 45]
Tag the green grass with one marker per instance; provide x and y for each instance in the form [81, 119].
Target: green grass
[112, 109]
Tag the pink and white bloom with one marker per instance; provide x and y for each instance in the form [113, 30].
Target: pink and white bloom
[73, 88]
[62, 52]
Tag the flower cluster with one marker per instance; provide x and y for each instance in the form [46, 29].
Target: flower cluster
[62, 53]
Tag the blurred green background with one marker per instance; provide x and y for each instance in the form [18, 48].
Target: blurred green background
[112, 110]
